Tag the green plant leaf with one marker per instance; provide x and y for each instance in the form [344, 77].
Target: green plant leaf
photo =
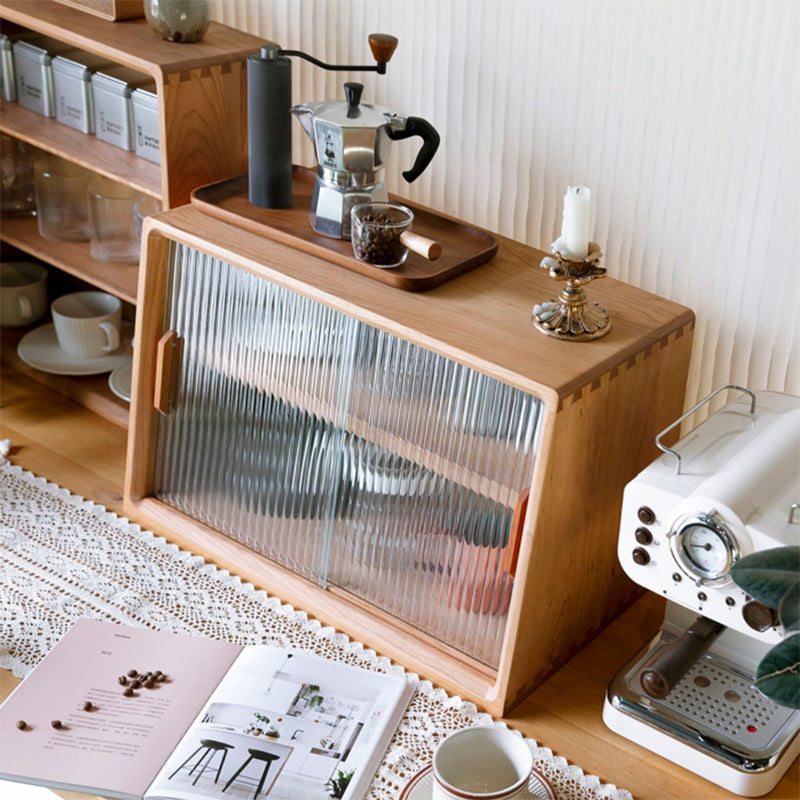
[778, 676]
[768, 574]
[789, 609]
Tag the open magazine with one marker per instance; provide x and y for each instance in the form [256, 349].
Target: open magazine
[211, 720]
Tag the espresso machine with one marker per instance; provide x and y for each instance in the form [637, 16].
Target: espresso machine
[729, 488]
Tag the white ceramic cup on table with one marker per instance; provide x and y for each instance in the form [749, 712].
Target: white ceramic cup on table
[482, 763]
[87, 324]
[23, 293]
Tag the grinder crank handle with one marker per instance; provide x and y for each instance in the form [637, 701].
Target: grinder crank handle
[416, 126]
[674, 660]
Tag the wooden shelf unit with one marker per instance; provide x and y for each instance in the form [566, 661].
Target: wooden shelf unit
[202, 90]
[72, 257]
[90, 391]
[61, 140]
[603, 403]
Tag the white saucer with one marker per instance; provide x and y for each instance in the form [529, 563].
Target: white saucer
[119, 381]
[420, 787]
[40, 349]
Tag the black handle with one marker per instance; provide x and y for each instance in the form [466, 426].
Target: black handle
[416, 126]
[672, 662]
[352, 93]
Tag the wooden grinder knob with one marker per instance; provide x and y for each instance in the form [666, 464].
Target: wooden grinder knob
[383, 46]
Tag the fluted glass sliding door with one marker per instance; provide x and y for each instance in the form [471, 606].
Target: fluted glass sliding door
[347, 454]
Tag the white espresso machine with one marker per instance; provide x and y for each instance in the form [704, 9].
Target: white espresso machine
[729, 488]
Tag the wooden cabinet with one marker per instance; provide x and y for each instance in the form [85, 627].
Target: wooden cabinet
[367, 454]
[203, 136]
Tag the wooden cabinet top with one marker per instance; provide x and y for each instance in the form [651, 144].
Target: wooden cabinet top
[131, 42]
[481, 318]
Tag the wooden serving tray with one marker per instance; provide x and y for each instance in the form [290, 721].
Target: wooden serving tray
[463, 247]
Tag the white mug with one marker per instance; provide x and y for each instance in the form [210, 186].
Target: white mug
[87, 324]
[23, 293]
[481, 762]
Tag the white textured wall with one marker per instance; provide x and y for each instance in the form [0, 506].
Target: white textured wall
[682, 116]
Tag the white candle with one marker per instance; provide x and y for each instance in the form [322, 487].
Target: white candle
[575, 222]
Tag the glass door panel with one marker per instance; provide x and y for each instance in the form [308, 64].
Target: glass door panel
[250, 447]
[344, 453]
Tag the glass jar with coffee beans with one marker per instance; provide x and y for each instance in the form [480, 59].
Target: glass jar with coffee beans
[376, 231]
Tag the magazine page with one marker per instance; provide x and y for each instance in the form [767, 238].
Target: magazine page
[286, 724]
[71, 724]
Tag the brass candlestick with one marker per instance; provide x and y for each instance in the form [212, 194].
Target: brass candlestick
[572, 318]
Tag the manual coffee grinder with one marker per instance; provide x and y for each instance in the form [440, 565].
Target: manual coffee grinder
[269, 121]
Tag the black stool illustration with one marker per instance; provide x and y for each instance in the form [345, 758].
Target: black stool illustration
[255, 755]
[210, 748]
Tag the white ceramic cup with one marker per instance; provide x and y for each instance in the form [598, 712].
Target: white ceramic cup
[87, 323]
[481, 763]
[23, 293]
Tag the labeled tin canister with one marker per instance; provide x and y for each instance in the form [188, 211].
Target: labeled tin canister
[145, 121]
[113, 109]
[33, 77]
[8, 89]
[33, 73]
[72, 89]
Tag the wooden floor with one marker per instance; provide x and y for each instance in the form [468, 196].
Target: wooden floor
[71, 446]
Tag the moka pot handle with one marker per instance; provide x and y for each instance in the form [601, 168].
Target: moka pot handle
[416, 126]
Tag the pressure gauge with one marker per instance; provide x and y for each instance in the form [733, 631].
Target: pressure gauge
[703, 547]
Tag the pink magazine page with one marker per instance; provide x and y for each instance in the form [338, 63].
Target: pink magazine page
[50, 735]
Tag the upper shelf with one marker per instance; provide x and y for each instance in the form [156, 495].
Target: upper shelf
[202, 98]
[88, 151]
[132, 42]
[74, 258]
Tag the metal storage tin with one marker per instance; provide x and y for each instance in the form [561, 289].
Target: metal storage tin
[113, 110]
[33, 78]
[8, 89]
[145, 121]
[72, 89]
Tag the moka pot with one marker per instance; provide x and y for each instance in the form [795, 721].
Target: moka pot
[352, 141]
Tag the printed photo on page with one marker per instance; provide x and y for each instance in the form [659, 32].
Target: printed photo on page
[285, 725]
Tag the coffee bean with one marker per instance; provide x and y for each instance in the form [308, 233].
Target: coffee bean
[122, 680]
[87, 706]
[129, 692]
[22, 725]
[132, 673]
[57, 724]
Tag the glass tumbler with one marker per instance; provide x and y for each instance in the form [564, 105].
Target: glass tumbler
[61, 203]
[114, 232]
[17, 198]
[144, 207]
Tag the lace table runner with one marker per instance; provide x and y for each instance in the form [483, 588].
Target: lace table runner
[63, 558]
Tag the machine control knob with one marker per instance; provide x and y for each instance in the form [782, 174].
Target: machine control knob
[643, 536]
[758, 616]
[641, 556]
[646, 515]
